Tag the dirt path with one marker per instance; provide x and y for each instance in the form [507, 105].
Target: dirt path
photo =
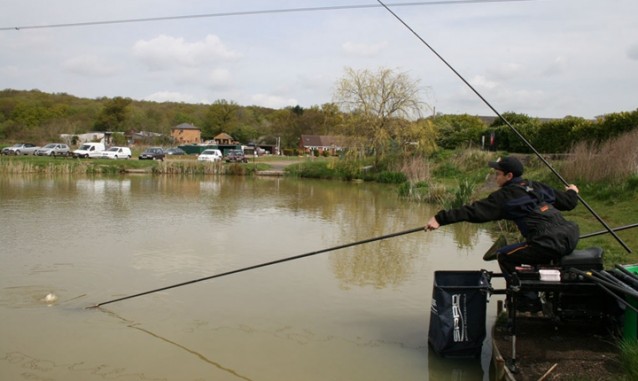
[581, 351]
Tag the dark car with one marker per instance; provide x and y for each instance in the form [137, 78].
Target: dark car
[175, 151]
[236, 156]
[153, 153]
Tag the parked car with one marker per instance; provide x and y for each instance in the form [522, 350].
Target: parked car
[210, 155]
[117, 153]
[175, 151]
[153, 153]
[20, 149]
[236, 156]
[89, 150]
[53, 149]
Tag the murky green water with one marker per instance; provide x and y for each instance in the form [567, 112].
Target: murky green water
[359, 313]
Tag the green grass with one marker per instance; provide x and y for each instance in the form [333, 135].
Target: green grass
[629, 358]
[178, 165]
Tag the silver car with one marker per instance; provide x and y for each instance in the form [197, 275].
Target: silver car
[53, 149]
[20, 149]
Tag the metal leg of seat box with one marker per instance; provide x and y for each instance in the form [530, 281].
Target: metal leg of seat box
[512, 301]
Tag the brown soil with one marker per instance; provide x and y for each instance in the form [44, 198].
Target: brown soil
[580, 351]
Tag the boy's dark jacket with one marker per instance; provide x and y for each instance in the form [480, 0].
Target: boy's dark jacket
[534, 207]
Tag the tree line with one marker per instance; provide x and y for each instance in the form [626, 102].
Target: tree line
[379, 113]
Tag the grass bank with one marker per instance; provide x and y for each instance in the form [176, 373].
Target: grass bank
[173, 166]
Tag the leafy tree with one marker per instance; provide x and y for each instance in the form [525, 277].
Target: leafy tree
[283, 125]
[245, 134]
[221, 117]
[113, 115]
[421, 136]
[556, 136]
[512, 117]
[375, 102]
[507, 139]
[616, 124]
[181, 117]
[456, 130]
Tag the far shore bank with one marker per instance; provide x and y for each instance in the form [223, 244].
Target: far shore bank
[269, 166]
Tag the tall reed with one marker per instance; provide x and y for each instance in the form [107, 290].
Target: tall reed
[612, 160]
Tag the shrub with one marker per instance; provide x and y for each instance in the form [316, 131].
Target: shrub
[446, 169]
[462, 195]
[391, 177]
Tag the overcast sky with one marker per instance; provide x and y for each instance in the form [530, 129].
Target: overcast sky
[544, 58]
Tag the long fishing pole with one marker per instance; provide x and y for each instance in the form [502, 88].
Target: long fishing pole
[492, 252]
[616, 229]
[508, 124]
[421, 228]
[599, 280]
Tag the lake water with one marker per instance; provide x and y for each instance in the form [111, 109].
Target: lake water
[358, 313]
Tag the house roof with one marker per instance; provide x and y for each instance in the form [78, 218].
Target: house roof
[223, 136]
[185, 126]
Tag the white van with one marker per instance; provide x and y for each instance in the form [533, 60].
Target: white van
[210, 155]
[117, 153]
[89, 150]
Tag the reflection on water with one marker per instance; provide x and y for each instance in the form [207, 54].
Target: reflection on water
[364, 309]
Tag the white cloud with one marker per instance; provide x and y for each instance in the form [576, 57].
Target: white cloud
[273, 101]
[483, 82]
[9, 71]
[90, 66]
[556, 67]
[551, 59]
[166, 52]
[171, 96]
[217, 78]
[364, 50]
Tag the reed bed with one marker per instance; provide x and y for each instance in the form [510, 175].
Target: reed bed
[59, 166]
[50, 167]
[612, 161]
[188, 167]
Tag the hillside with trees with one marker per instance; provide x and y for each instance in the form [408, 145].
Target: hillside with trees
[379, 114]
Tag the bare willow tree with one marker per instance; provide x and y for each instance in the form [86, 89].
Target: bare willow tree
[381, 107]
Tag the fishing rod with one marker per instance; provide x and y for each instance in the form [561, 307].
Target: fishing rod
[501, 117]
[617, 229]
[598, 279]
[501, 241]
[421, 228]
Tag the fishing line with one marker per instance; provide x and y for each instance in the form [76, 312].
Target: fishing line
[421, 228]
[248, 13]
[609, 229]
[136, 326]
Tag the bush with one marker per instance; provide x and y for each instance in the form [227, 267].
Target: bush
[423, 191]
[446, 169]
[462, 195]
[391, 177]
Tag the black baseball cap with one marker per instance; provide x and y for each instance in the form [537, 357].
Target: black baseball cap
[508, 164]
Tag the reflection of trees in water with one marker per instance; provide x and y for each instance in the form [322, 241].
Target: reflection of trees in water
[465, 234]
[383, 263]
[356, 212]
[382, 266]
